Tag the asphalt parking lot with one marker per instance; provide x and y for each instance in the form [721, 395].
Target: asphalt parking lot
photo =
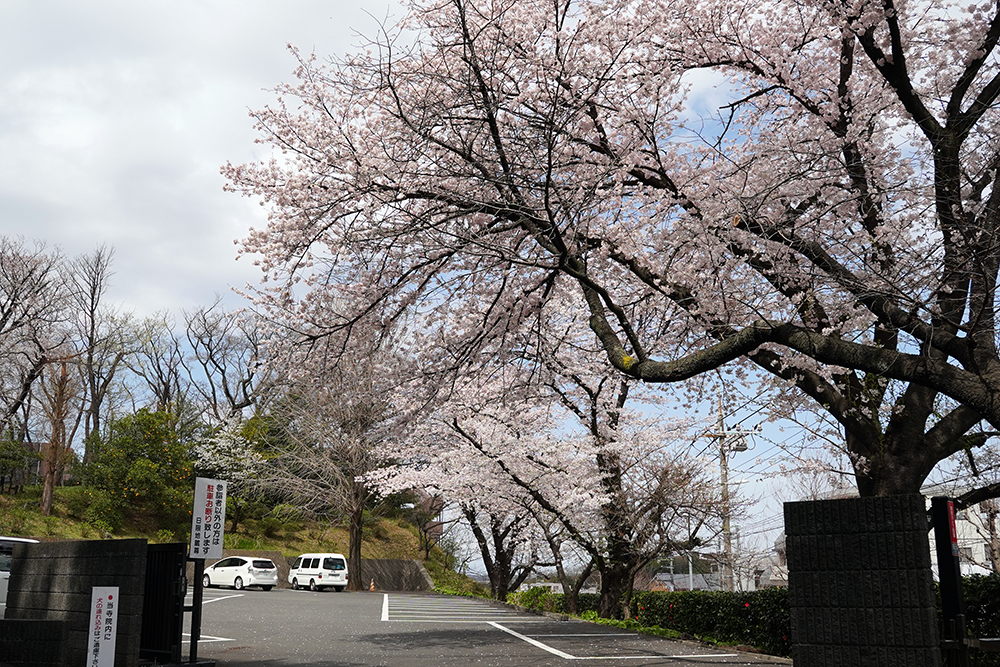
[282, 628]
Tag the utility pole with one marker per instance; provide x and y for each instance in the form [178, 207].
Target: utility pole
[728, 441]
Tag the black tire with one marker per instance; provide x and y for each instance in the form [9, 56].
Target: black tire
[339, 589]
[238, 583]
[266, 588]
[295, 584]
[206, 582]
[312, 586]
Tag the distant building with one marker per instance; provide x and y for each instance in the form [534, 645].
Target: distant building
[772, 572]
[551, 586]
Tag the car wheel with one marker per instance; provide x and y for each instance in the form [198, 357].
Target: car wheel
[312, 585]
[238, 584]
[339, 589]
[266, 588]
[295, 584]
[206, 582]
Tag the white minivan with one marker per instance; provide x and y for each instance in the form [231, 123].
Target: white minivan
[6, 552]
[319, 571]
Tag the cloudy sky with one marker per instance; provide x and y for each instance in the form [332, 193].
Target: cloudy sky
[115, 116]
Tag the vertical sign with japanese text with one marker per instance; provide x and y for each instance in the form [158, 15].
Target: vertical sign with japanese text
[208, 518]
[103, 626]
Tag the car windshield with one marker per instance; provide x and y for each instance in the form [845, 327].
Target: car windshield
[333, 564]
[263, 565]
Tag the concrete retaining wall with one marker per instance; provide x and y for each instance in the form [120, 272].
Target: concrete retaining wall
[388, 574]
[394, 575]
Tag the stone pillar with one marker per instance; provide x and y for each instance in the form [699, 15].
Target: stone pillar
[53, 582]
[860, 584]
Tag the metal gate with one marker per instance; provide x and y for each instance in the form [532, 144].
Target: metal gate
[163, 603]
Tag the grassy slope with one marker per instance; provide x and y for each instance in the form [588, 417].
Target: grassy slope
[385, 538]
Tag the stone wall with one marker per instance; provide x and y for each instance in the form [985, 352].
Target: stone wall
[859, 583]
[53, 582]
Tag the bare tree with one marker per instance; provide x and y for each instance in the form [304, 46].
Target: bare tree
[333, 430]
[225, 367]
[159, 364]
[103, 336]
[32, 308]
[61, 401]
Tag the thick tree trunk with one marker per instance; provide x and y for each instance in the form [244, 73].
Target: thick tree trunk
[497, 551]
[893, 465]
[615, 583]
[572, 588]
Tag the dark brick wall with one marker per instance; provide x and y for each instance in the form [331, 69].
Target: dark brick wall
[54, 581]
[30, 643]
[859, 583]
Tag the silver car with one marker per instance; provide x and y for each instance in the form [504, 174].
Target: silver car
[241, 572]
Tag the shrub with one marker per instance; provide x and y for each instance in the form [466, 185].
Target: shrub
[537, 598]
[13, 520]
[759, 619]
[105, 510]
[271, 526]
[142, 465]
[982, 612]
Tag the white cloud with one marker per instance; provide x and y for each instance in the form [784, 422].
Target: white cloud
[115, 117]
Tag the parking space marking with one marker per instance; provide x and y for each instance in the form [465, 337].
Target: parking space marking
[425, 609]
[205, 639]
[567, 656]
[207, 600]
[534, 642]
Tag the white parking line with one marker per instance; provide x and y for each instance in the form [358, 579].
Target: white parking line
[534, 642]
[567, 656]
[421, 609]
[205, 601]
[205, 639]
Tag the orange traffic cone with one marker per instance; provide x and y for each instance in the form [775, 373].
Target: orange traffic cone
[372, 587]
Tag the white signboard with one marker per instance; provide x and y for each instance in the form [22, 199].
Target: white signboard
[208, 518]
[103, 626]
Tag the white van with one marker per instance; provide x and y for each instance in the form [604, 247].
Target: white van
[6, 551]
[319, 571]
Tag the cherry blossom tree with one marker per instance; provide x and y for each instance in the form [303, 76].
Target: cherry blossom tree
[33, 310]
[508, 552]
[231, 454]
[802, 193]
[494, 509]
[505, 443]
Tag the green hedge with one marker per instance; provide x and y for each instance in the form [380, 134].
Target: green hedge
[759, 619]
[982, 612]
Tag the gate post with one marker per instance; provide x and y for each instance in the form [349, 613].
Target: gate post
[859, 583]
[956, 640]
